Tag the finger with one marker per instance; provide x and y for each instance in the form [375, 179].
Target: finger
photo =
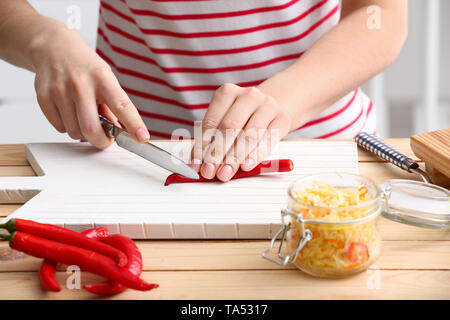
[61, 96]
[67, 111]
[106, 112]
[196, 151]
[275, 131]
[247, 140]
[222, 99]
[88, 117]
[51, 112]
[231, 125]
[227, 170]
[70, 119]
[253, 133]
[209, 167]
[120, 104]
[232, 161]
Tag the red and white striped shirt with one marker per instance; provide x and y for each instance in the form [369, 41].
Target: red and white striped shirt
[170, 56]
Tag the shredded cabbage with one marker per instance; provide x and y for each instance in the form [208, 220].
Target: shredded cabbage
[335, 249]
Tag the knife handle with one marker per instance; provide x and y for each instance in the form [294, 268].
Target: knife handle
[386, 152]
[111, 130]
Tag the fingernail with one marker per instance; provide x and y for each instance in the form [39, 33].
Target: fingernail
[142, 134]
[248, 164]
[225, 173]
[208, 170]
[196, 163]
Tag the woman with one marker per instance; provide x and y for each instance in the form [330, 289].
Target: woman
[253, 71]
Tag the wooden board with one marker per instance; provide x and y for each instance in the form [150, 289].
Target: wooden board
[79, 187]
[434, 149]
[183, 255]
[249, 284]
[14, 154]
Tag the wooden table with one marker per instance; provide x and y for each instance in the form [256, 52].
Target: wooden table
[414, 263]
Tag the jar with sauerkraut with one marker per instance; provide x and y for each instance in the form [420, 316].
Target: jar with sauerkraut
[330, 225]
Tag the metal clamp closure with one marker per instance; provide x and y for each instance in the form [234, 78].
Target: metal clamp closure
[306, 236]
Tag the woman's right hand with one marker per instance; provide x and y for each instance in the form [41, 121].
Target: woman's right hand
[74, 85]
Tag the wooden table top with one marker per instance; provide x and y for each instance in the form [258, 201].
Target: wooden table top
[414, 262]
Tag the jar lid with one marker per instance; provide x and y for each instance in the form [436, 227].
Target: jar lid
[417, 203]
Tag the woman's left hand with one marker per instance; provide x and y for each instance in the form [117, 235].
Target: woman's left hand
[240, 128]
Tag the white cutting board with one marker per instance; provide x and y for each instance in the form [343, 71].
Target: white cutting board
[79, 187]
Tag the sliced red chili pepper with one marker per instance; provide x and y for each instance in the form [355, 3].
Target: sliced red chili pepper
[86, 260]
[64, 235]
[358, 252]
[282, 165]
[48, 267]
[134, 264]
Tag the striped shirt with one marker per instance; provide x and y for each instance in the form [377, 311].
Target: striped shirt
[170, 56]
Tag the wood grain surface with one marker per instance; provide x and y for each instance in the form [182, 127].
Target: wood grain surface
[434, 149]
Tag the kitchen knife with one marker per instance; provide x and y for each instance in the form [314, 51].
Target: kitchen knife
[148, 151]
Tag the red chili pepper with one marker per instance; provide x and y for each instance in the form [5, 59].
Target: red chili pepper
[96, 233]
[47, 275]
[134, 265]
[48, 267]
[358, 252]
[63, 235]
[108, 287]
[282, 165]
[86, 260]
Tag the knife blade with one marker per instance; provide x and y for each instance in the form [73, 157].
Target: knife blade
[148, 151]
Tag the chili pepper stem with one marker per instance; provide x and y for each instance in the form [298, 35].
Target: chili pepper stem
[8, 237]
[5, 236]
[9, 225]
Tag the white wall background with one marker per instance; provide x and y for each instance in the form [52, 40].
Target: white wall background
[404, 81]
[22, 121]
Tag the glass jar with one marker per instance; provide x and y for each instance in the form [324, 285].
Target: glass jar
[340, 240]
[330, 241]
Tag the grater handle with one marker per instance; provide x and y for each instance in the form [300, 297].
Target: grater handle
[386, 152]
